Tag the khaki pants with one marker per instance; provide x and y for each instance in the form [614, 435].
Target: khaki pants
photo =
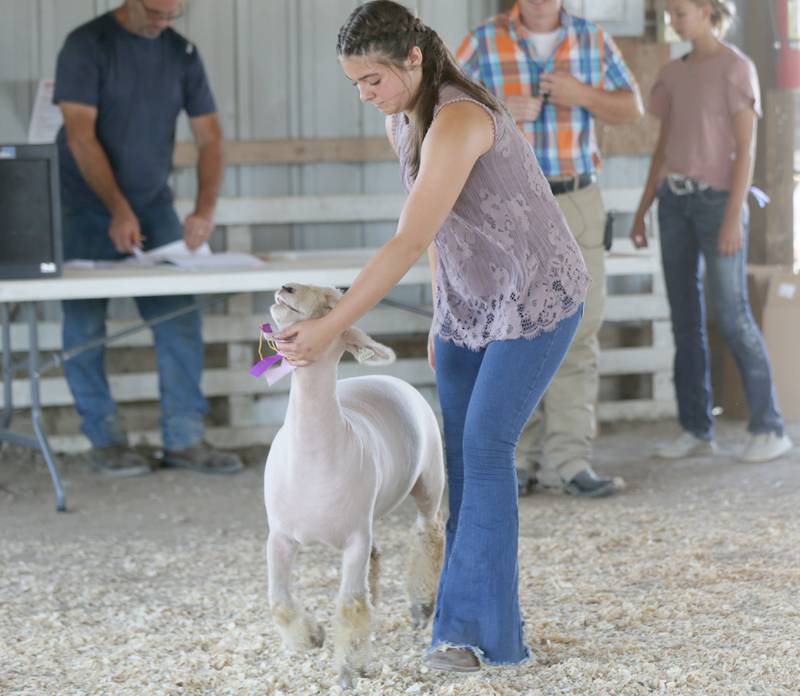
[558, 440]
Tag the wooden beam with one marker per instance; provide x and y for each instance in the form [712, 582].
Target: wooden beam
[362, 207]
[635, 409]
[244, 436]
[282, 210]
[238, 152]
[779, 119]
[758, 44]
[221, 328]
[143, 386]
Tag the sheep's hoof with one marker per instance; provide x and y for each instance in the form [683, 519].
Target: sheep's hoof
[316, 634]
[301, 634]
[420, 613]
[347, 677]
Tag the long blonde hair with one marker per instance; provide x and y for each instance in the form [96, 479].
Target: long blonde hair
[723, 14]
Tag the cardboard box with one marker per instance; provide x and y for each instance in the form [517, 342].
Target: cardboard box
[726, 382]
[781, 328]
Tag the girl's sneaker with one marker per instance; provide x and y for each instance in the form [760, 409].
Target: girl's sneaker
[453, 660]
[685, 445]
[764, 447]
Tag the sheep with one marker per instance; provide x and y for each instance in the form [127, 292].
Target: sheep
[349, 452]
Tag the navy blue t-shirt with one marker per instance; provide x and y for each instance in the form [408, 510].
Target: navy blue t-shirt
[139, 87]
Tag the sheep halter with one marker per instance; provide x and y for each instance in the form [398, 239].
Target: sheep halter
[262, 367]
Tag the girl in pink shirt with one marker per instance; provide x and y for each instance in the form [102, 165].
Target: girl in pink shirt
[708, 102]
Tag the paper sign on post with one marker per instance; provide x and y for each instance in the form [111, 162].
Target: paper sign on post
[46, 118]
[786, 291]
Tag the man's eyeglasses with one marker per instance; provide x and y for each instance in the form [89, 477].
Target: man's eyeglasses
[157, 16]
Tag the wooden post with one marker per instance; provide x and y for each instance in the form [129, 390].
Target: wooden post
[779, 120]
[774, 169]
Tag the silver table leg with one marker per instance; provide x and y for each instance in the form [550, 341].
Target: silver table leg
[35, 367]
[39, 442]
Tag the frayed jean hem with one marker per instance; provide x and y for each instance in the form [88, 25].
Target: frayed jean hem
[444, 645]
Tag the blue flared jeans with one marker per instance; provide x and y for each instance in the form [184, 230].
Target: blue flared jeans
[689, 227]
[487, 397]
[178, 342]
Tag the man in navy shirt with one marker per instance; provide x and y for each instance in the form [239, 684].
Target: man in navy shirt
[122, 79]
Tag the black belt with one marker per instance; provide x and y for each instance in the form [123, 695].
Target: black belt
[568, 185]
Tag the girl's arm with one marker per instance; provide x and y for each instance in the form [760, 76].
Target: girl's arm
[433, 258]
[744, 130]
[638, 233]
[460, 134]
[433, 261]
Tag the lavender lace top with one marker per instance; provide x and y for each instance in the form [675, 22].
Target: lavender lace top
[508, 265]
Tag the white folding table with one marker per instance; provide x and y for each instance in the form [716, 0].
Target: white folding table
[328, 268]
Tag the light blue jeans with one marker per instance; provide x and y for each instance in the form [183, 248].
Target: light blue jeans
[178, 342]
[487, 397]
[689, 229]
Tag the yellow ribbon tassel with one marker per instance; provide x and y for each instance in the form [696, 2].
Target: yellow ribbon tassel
[270, 343]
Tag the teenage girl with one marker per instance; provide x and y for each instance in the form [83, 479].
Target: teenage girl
[708, 102]
[509, 285]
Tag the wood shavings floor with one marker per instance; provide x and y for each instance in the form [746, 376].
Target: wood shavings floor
[686, 583]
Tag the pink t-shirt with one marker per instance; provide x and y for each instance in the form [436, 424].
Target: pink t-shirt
[700, 100]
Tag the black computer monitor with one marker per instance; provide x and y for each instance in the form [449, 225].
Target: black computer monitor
[30, 212]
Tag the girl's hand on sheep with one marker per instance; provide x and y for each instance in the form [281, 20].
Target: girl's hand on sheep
[304, 342]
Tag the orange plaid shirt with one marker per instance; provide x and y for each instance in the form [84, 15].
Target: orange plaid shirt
[500, 55]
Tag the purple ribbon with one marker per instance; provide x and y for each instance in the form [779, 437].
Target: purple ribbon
[267, 366]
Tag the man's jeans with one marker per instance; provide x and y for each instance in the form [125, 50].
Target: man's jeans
[487, 397]
[178, 342]
[690, 227]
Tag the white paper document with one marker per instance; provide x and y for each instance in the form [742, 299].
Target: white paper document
[176, 253]
[46, 117]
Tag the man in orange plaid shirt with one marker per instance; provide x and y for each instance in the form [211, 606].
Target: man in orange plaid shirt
[557, 73]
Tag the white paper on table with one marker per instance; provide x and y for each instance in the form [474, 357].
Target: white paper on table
[178, 254]
[174, 252]
[46, 117]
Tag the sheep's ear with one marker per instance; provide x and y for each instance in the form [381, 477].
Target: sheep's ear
[332, 296]
[365, 350]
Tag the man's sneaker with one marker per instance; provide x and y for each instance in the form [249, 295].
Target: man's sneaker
[588, 484]
[685, 445]
[764, 447]
[204, 459]
[118, 461]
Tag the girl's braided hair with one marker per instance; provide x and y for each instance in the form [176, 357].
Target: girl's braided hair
[723, 14]
[390, 31]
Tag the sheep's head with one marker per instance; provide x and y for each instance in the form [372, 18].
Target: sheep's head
[295, 302]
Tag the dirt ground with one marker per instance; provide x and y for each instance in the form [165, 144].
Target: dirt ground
[685, 583]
